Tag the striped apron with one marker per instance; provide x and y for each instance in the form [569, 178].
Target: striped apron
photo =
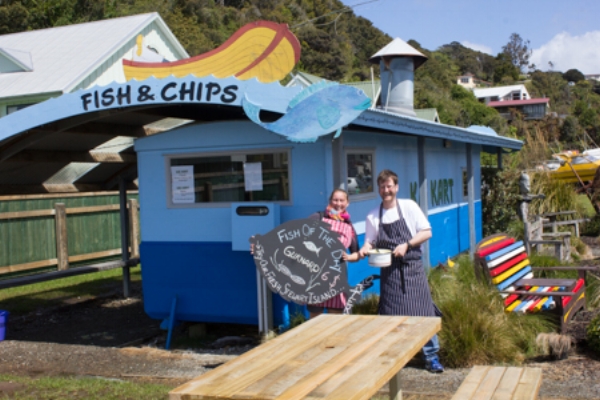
[404, 287]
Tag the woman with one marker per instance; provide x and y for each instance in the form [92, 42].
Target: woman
[337, 216]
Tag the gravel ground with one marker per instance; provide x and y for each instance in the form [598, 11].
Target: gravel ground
[113, 338]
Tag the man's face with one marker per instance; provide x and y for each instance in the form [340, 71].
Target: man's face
[388, 189]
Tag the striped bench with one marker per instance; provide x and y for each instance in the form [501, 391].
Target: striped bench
[503, 261]
[510, 383]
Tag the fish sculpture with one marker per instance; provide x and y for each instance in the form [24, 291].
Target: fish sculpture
[264, 50]
[318, 110]
[301, 260]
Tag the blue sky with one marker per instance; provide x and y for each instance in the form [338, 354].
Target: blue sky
[564, 32]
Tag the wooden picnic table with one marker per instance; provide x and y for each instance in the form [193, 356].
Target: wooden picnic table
[328, 357]
[553, 221]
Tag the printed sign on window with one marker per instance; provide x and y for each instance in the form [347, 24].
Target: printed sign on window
[182, 184]
[253, 177]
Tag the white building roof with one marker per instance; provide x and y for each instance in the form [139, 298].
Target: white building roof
[499, 91]
[62, 57]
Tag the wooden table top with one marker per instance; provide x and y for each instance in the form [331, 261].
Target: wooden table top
[328, 357]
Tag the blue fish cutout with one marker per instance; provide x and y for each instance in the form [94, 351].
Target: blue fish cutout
[318, 110]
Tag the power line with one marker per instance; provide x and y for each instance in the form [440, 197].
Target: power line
[340, 12]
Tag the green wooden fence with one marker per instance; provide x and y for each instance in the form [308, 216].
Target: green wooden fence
[29, 224]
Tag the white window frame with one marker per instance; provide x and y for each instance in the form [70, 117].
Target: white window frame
[360, 150]
[169, 157]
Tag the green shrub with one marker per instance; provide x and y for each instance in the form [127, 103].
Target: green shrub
[475, 328]
[593, 334]
[592, 227]
[368, 305]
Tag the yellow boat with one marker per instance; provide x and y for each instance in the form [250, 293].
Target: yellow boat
[263, 50]
[574, 167]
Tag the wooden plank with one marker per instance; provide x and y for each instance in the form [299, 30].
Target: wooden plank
[363, 377]
[55, 195]
[489, 383]
[308, 371]
[26, 214]
[529, 385]
[508, 384]
[281, 349]
[395, 387]
[93, 209]
[328, 344]
[134, 228]
[28, 266]
[62, 250]
[469, 386]
[90, 256]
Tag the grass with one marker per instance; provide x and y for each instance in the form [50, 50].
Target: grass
[25, 299]
[66, 388]
[475, 328]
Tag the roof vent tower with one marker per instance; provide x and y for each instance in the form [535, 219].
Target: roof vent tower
[397, 64]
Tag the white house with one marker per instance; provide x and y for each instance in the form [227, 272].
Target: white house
[41, 64]
[502, 93]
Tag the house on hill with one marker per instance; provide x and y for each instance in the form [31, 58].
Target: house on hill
[469, 81]
[513, 97]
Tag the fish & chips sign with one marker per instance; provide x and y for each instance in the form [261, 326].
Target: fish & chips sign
[207, 90]
[302, 261]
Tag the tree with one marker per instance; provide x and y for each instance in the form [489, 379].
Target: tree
[518, 51]
[573, 75]
[505, 69]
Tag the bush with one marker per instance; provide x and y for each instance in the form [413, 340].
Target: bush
[593, 334]
[475, 328]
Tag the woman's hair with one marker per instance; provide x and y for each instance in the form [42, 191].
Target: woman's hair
[385, 175]
[338, 190]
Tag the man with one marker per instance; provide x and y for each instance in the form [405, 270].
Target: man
[400, 225]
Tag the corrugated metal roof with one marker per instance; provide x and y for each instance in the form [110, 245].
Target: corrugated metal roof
[499, 91]
[61, 56]
[371, 89]
[21, 59]
[428, 114]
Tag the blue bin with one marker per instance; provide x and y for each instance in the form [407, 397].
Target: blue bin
[3, 320]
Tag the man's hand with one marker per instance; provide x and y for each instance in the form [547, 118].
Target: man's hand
[400, 250]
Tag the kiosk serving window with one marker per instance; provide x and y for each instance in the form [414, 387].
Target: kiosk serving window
[359, 173]
[233, 177]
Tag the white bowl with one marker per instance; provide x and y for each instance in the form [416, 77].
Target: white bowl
[380, 258]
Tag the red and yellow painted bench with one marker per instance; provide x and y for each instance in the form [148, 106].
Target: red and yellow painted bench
[503, 261]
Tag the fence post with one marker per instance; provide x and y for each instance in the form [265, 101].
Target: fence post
[62, 248]
[134, 228]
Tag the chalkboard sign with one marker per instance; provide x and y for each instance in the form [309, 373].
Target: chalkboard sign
[302, 261]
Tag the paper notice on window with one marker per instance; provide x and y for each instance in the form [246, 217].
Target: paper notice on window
[253, 177]
[182, 184]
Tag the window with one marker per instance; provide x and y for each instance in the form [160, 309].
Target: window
[15, 108]
[226, 178]
[359, 173]
[464, 80]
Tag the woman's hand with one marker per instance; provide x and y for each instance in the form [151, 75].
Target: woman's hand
[351, 257]
[364, 251]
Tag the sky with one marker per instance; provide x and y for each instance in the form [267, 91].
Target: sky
[563, 34]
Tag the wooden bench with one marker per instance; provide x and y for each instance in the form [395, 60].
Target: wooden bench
[551, 221]
[535, 238]
[504, 263]
[510, 383]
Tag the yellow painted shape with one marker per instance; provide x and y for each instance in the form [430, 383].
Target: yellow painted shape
[231, 60]
[567, 313]
[496, 280]
[513, 305]
[138, 42]
[493, 240]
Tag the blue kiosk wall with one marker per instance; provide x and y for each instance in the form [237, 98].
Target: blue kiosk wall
[187, 251]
